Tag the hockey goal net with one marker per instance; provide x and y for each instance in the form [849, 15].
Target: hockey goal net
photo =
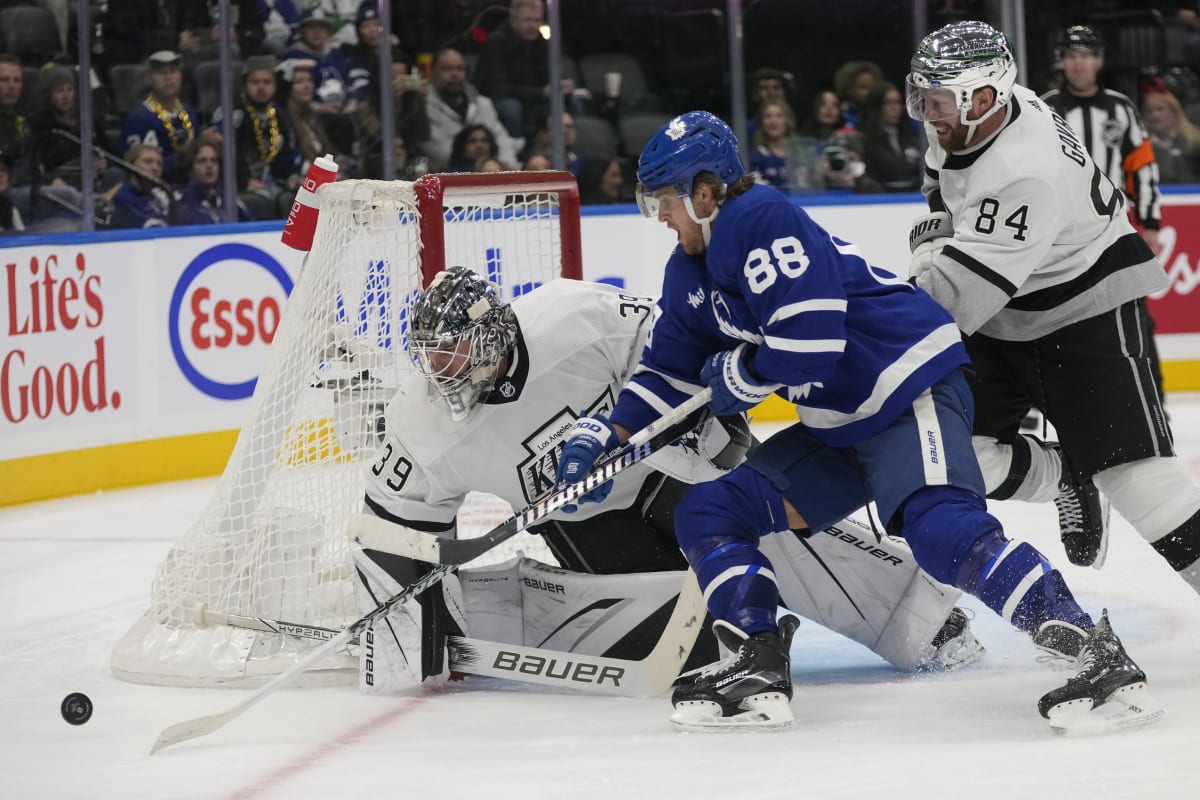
[272, 540]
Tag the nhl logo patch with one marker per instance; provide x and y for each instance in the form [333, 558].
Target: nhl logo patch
[507, 390]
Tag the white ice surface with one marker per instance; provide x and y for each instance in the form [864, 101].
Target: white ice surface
[75, 573]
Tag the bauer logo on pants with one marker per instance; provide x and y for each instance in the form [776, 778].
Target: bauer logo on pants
[224, 313]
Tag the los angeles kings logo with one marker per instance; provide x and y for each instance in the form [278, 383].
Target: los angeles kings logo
[536, 473]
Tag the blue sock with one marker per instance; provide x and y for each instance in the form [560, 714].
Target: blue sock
[1018, 583]
[740, 586]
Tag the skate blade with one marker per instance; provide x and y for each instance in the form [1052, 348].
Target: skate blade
[1102, 551]
[1128, 707]
[764, 712]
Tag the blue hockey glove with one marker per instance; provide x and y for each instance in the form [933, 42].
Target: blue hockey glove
[587, 440]
[734, 387]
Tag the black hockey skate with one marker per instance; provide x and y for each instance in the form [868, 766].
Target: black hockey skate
[1108, 691]
[752, 688]
[954, 646]
[1081, 518]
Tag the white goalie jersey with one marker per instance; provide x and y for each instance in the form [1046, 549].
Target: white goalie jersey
[576, 340]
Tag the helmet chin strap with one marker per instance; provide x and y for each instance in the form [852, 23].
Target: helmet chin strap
[973, 124]
[706, 223]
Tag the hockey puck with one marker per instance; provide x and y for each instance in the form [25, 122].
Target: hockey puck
[76, 708]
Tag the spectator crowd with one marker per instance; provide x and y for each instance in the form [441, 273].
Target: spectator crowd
[308, 82]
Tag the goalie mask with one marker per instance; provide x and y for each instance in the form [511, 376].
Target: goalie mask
[950, 65]
[460, 332]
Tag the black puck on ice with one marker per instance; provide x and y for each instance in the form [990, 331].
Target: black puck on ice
[76, 708]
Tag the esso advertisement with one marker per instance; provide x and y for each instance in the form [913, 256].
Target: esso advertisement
[1177, 309]
[223, 314]
[68, 353]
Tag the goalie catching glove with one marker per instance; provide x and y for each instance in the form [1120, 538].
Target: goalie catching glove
[926, 239]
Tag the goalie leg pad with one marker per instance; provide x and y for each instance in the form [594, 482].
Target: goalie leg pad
[407, 647]
[872, 592]
[528, 603]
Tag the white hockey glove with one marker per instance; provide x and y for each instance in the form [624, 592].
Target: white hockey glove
[926, 239]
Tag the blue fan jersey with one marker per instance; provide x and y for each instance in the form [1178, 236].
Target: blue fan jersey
[852, 344]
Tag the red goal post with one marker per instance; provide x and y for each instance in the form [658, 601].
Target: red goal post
[557, 190]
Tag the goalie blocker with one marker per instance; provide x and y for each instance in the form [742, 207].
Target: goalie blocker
[842, 578]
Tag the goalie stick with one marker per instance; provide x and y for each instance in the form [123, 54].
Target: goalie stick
[646, 677]
[640, 445]
[375, 533]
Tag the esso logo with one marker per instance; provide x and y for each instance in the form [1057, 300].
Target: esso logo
[225, 322]
[224, 313]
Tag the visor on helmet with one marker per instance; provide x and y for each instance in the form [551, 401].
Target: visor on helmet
[652, 203]
[926, 103]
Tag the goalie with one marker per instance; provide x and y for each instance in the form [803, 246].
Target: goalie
[498, 387]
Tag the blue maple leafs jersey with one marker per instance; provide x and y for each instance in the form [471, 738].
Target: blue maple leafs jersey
[852, 344]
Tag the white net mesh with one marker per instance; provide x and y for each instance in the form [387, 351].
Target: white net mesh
[272, 540]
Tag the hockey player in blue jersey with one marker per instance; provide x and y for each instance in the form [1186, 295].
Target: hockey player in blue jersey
[758, 299]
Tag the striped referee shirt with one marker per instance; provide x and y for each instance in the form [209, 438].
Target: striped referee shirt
[1111, 129]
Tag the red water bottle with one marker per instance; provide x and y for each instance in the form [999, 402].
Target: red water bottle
[302, 219]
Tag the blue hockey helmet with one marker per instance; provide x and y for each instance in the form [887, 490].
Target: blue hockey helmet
[686, 146]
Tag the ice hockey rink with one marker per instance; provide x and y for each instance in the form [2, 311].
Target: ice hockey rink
[75, 573]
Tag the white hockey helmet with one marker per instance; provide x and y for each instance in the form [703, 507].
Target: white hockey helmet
[950, 64]
[459, 332]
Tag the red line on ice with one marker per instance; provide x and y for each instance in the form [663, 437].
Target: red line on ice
[320, 752]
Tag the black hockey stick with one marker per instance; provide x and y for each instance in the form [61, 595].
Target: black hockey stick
[645, 677]
[376, 533]
[639, 448]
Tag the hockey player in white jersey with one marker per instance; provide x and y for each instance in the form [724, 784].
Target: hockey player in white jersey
[758, 299]
[498, 386]
[1030, 248]
[1111, 130]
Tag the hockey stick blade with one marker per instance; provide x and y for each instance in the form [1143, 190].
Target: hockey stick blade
[646, 677]
[375, 533]
[202, 726]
